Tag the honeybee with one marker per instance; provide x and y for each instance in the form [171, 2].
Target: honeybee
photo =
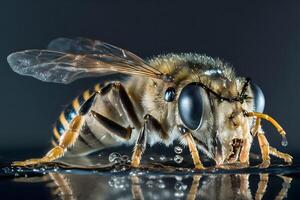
[188, 97]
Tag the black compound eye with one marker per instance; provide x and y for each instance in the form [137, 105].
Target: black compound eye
[191, 106]
[259, 98]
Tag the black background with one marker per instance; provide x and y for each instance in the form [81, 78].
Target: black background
[261, 40]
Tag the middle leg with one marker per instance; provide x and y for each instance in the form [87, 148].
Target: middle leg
[150, 125]
[192, 147]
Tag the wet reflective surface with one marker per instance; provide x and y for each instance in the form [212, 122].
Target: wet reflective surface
[109, 176]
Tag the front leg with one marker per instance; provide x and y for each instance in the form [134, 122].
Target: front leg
[285, 187]
[262, 186]
[266, 149]
[192, 147]
[286, 157]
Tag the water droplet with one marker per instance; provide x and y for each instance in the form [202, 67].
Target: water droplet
[180, 186]
[6, 170]
[284, 141]
[114, 157]
[124, 159]
[118, 183]
[19, 169]
[178, 150]
[151, 158]
[162, 158]
[178, 159]
[150, 184]
[179, 194]
[160, 184]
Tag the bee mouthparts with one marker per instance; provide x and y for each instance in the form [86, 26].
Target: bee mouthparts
[236, 147]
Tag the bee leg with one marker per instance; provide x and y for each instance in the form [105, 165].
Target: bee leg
[112, 127]
[124, 100]
[194, 188]
[244, 185]
[285, 187]
[67, 140]
[139, 147]
[136, 189]
[286, 157]
[262, 186]
[192, 147]
[61, 186]
[150, 125]
[245, 152]
[263, 144]
[265, 149]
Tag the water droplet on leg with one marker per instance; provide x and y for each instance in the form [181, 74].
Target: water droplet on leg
[284, 141]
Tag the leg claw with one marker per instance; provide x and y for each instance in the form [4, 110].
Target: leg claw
[288, 158]
[264, 164]
[199, 167]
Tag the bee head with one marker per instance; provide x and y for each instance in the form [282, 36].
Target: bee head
[216, 115]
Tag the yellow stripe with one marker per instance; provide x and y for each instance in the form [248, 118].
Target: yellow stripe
[86, 95]
[97, 87]
[76, 104]
[56, 134]
[63, 120]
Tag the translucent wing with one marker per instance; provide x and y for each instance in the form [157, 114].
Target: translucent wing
[67, 60]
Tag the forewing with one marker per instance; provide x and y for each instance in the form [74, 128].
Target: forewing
[68, 60]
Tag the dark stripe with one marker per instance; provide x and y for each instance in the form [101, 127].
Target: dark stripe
[112, 127]
[81, 100]
[81, 139]
[85, 108]
[54, 139]
[70, 113]
[91, 91]
[87, 132]
[60, 128]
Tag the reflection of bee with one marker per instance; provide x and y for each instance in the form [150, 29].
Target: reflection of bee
[190, 97]
[208, 186]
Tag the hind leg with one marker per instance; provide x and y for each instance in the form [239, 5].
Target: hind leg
[68, 139]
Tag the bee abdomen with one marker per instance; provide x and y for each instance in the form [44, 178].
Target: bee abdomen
[70, 112]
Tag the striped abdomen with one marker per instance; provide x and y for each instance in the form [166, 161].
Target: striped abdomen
[66, 116]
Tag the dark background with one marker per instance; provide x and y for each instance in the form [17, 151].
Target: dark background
[261, 40]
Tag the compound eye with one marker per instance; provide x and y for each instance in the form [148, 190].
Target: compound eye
[258, 97]
[191, 106]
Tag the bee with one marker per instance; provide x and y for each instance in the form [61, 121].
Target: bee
[188, 97]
